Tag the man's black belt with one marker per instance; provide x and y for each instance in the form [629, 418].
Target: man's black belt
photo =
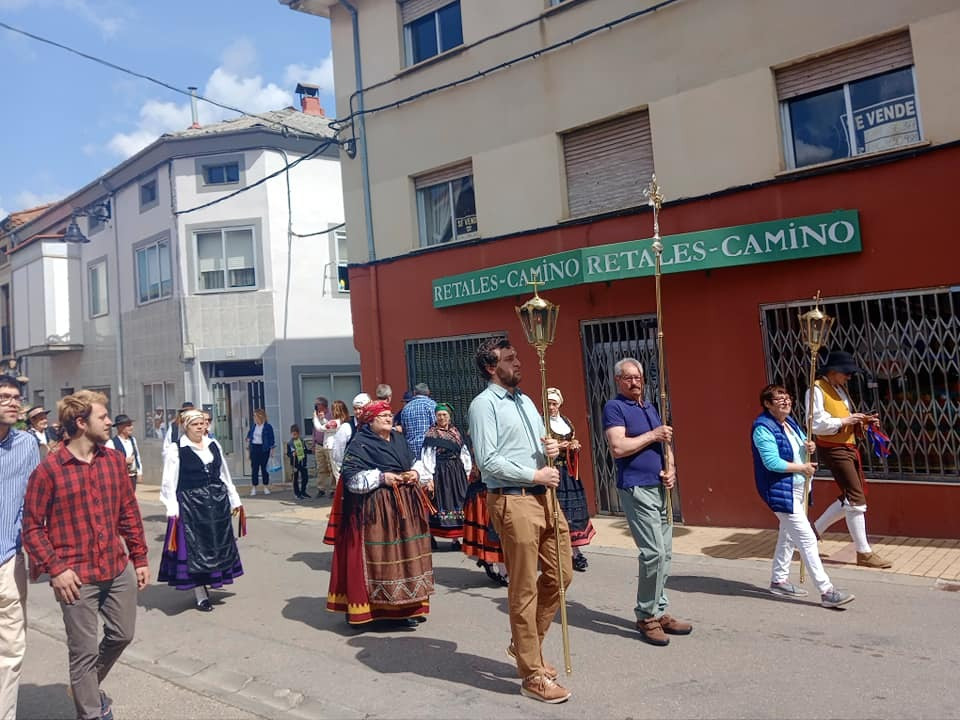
[513, 490]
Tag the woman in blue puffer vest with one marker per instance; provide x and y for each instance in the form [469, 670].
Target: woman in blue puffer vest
[781, 464]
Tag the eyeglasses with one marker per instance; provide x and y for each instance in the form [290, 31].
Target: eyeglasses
[11, 399]
[631, 378]
[384, 416]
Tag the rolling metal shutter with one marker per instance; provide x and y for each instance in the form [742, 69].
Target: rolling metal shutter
[873, 57]
[608, 164]
[413, 9]
[435, 177]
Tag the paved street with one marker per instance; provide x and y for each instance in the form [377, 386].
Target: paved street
[271, 650]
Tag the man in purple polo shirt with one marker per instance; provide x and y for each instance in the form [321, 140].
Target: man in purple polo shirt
[634, 432]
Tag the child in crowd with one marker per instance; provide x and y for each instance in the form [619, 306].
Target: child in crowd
[297, 453]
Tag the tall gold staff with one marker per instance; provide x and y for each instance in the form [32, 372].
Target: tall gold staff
[814, 329]
[655, 200]
[539, 320]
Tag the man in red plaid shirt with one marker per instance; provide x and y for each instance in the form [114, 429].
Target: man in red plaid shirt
[78, 506]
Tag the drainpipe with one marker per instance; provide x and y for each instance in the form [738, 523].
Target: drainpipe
[362, 132]
[121, 404]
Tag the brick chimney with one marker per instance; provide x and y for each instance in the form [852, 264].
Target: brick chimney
[309, 99]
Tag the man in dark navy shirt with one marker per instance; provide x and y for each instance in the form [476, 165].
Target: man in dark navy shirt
[634, 433]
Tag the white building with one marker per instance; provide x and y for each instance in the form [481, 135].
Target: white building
[191, 290]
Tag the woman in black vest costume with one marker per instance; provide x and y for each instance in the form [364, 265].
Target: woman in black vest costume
[570, 494]
[447, 459]
[199, 550]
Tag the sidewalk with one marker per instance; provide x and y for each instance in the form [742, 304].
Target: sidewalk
[938, 559]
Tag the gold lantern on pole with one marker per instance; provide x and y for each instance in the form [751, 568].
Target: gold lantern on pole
[815, 328]
[538, 317]
[655, 200]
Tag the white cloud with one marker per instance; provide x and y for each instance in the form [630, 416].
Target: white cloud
[248, 93]
[100, 14]
[27, 198]
[235, 83]
[321, 74]
[239, 57]
[96, 14]
[807, 153]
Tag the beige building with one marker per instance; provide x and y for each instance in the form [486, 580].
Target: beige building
[692, 88]
[800, 146]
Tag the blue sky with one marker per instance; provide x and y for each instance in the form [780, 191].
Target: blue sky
[67, 120]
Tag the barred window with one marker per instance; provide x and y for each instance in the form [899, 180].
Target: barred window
[908, 345]
[447, 365]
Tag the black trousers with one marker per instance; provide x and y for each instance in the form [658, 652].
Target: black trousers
[259, 457]
[300, 477]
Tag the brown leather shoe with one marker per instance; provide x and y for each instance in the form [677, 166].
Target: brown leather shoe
[549, 670]
[540, 687]
[873, 560]
[672, 626]
[652, 632]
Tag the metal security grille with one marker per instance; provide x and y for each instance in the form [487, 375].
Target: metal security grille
[908, 345]
[447, 366]
[604, 343]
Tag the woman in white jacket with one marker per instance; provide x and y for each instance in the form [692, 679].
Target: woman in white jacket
[199, 550]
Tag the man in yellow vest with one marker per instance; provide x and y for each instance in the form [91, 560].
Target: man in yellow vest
[835, 430]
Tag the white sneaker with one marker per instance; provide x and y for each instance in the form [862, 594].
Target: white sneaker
[253, 491]
[266, 490]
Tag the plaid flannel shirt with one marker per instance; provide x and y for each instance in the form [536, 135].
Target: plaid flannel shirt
[416, 418]
[75, 514]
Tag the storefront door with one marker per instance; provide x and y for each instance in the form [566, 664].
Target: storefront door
[233, 403]
[604, 343]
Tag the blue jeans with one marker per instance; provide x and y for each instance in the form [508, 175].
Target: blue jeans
[646, 514]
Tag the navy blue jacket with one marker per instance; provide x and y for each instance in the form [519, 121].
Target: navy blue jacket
[269, 442]
[775, 488]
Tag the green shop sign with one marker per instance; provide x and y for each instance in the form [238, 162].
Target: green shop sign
[833, 233]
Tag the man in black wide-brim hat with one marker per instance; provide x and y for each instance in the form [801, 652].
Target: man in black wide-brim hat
[835, 430]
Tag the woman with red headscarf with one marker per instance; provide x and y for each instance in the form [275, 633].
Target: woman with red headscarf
[382, 566]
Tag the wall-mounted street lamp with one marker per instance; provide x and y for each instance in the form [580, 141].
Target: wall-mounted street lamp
[99, 211]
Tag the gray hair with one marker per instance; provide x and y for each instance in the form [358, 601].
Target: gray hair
[384, 391]
[618, 367]
[421, 389]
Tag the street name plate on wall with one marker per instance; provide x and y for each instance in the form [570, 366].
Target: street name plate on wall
[834, 233]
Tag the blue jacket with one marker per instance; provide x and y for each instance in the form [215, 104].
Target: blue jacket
[774, 483]
[268, 440]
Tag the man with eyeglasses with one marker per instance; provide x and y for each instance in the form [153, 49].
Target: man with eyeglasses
[19, 455]
[634, 433]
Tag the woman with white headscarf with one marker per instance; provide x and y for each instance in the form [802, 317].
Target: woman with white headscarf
[199, 549]
[570, 494]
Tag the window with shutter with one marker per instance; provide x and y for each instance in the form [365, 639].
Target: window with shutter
[607, 164]
[430, 27]
[226, 259]
[446, 205]
[850, 102]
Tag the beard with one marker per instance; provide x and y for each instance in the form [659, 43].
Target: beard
[508, 379]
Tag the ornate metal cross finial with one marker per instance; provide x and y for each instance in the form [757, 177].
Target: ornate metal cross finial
[535, 280]
[816, 299]
[655, 200]
[653, 195]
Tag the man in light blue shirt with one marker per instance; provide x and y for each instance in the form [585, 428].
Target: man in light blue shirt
[511, 449]
[19, 455]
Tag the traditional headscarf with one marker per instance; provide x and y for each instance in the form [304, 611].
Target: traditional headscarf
[368, 412]
[554, 394]
[191, 416]
[450, 433]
